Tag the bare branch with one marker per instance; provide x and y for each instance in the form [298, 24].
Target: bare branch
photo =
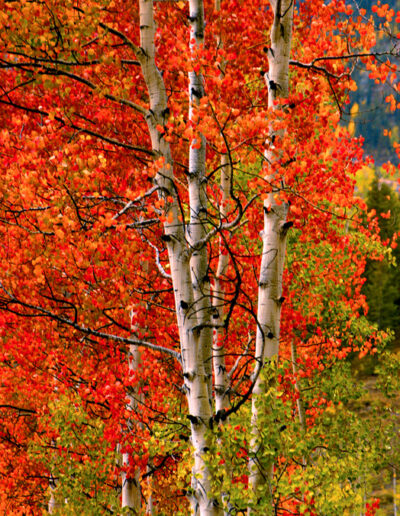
[163, 273]
[129, 204]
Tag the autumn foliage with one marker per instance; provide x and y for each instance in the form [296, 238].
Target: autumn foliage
[84, 269]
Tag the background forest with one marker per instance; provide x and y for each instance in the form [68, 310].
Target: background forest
[372, 117]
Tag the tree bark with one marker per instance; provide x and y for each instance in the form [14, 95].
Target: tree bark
[188, 269]
[131, 496]
[198, 199]
[52, 505]
[274, 244]
[300, 405]
[219, 365]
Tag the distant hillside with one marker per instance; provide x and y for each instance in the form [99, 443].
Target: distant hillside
[374, 115]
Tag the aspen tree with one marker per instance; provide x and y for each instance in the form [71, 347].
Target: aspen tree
[273, 236]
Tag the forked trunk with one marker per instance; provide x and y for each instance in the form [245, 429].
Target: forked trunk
[188, 268]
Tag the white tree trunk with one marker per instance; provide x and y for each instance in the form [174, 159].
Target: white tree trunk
[52, 506]
[131, 496]
[274, 242]
[187, 272]
[300, 405]
[220, 373]
[198, 200]
[221, 379]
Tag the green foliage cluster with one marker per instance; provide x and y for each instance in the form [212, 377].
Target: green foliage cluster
[328, 465]
[78, 460]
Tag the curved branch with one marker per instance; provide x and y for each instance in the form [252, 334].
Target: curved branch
[42, 312]
[80, 129]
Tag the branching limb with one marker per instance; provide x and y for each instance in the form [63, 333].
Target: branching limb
[79, 327]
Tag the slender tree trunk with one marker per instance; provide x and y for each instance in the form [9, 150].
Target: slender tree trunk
[274, 244]
[220, 373]
[187, 271]
[221, 379]
[198, 199]
[149, 501]
[131, 496]
[300, 405]
[52, 506]
[219, 364]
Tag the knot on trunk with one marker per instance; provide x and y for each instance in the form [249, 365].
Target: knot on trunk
[193, 419]
[285, 227]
